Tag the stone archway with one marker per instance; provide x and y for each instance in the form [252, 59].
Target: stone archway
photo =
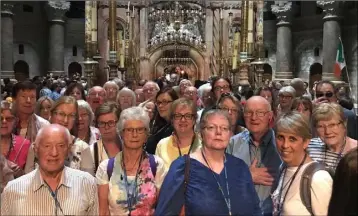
[22, 71]
[315, 73]
[73, 68]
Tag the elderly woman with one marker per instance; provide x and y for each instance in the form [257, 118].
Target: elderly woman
[161, 126]
[13, 147]
[112, 90]
[183, 140]
[126, 98]
[75, 90]
[149, 107]
[303, 105]
[219, 86]
[110, 143]
[65, 113]
[86, 132]
[285, 97]
[229, 103]
[332, 142]
[184, 83]
[129, 182]
[208, 181]
[43, 107]
[293, 135]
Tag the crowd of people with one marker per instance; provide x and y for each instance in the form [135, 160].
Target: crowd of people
[173, 147]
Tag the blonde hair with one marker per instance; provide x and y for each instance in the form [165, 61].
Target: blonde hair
[327, 111]
[39, 102]
[67, 100]
[294, 123]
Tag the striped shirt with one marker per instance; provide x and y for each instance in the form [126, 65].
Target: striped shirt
[318, 151]
[30, 195]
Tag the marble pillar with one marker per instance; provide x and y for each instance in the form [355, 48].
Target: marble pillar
[144, 68]
[56, 16]
[331, 34]
[283, 11]
[7, 40]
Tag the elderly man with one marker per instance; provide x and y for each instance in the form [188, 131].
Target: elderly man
[96, 97]
[256, 147]
[150, 89]
[120, 83]
[111, 89]
[299, 86]
[191, 93]
[53, 188]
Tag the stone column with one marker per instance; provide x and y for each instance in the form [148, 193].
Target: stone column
[56, 15]
[143, 35]
[7, 40]
[283, 11]
[331, 33]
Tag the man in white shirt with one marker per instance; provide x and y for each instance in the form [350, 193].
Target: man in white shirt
[51, 189]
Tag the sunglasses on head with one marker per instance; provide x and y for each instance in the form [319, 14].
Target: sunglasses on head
[327, 94]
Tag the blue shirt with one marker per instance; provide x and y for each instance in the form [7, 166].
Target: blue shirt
[242, 146]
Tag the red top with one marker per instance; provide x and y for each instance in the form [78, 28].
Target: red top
[19, 151]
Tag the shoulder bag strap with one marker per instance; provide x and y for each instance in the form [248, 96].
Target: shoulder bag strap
[110, 166]
[96, 159]
[153, 164]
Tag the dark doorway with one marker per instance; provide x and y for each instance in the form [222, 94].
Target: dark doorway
[267, 73]
[74, 68]
[315, 73]
[22, 71]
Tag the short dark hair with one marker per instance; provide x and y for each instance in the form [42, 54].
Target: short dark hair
[106, 108]
[74, 85]
[326, 82]
[24, 85]
[217, 78]
[171, 92]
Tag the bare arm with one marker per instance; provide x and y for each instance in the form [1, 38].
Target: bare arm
[103, 191]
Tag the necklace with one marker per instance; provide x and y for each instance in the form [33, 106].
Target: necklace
[131, 198]
[227, 199]
[177, 140]
[289, 183]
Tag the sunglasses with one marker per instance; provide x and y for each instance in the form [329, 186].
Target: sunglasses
[327, 94]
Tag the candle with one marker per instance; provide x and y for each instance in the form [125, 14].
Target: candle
[221, 13]
[94, 22]
[133, 10]
[129, 3]
[250, 27]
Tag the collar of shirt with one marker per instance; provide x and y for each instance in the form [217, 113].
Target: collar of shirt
[39, 182]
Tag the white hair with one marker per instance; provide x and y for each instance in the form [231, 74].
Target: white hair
[82, 104]
[127, 90]
[133, 113]
[151, 82]
[111, 83]
[288, 90]
[203, 88]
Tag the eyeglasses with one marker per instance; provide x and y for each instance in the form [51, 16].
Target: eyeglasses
[63, 115]
[164, 103]
[233, 110]
[190, 93]
[83, 115]
[186, 116]
[327, 94]
[214, 128]
[140, 130]
[102, 124]
[221, 88]
[8, 119]
[333, 126]
[93, 95]
[285, 96]
[257, 113]
[149, 90]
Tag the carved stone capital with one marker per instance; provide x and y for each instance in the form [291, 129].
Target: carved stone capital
[331, 9]
[56, 10]
[7, 8]
[283, 11]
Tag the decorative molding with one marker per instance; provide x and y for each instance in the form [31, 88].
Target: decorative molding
[7, 9]
[283, 11]
[331, 9]
[56, 10]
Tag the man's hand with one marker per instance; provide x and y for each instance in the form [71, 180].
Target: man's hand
[320, 100]
[261, 176]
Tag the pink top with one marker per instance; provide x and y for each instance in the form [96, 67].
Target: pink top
[18, 153]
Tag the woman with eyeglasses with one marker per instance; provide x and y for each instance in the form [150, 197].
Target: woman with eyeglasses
[43, 107]
[161, 126]
[13, 147]
[183, 139]
[128, 183]
[293, 134]
[208, 181]
[65, 113]
[332, 143]
[86, 131]
[110, 143]
[230, 104]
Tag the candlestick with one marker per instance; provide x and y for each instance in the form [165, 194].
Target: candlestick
[221, 13]
[133, 10]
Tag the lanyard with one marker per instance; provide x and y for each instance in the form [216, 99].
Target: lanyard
[54, 196]
[177, 140]
[131, 198]
[227, 199]
[289, 182]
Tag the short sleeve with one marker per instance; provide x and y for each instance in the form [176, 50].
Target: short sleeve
[101, 174]
[321, 190]
[161, 172]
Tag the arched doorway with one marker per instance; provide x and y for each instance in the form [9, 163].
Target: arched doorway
[74, 68]
[22, 71]
[315, 73]
[267, 73]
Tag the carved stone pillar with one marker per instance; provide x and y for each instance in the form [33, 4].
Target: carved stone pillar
[283, 11]
[143, 29]
[331, 33]
[56, 15]
[7, 40]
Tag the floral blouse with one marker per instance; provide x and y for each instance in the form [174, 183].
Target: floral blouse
[146, 190]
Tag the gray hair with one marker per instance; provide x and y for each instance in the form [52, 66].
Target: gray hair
[39, 102]
[82, 104]
[294, 123]
[288, 90]
[153, 83]
[203, 88]
[133, 113]
[185, 81]
[127, 90]
[213, 112]
[111, 83]
[42, 132]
